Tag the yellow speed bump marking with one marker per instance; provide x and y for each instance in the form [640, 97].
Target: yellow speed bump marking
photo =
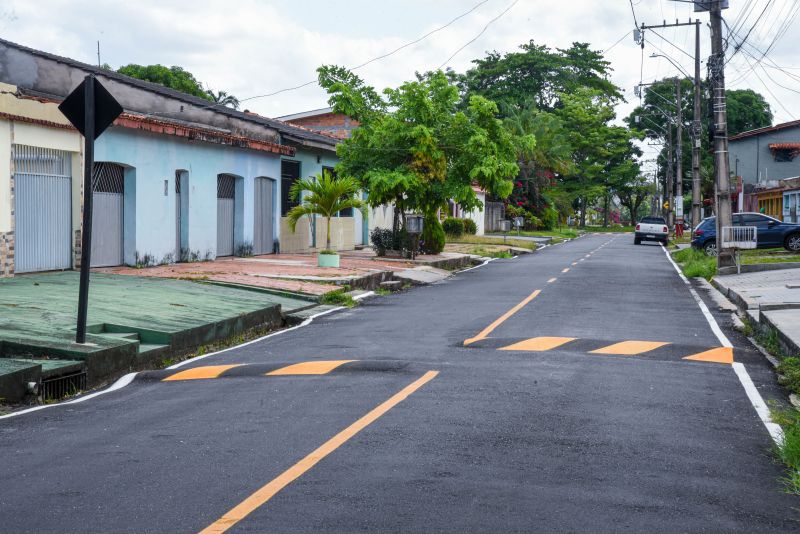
[488, 330]
[718, 355]
[630, 348]
[539, 344]
[321, 367]
[266, 492]
[552, 280]
[200, 373]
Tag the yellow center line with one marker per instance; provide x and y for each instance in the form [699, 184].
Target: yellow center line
[488, 330]
[565, 270]
[574, 263]
[552, 280]
[266, 492]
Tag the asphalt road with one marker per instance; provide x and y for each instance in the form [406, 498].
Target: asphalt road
[410, 430]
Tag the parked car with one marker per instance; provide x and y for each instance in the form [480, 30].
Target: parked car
[651, 229]
[770, 232]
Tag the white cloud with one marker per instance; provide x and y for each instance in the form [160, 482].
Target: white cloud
[252, 47]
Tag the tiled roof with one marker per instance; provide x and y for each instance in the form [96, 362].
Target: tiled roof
[759, 131]
[283, 128]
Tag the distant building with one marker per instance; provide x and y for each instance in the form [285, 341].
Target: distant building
[762, 157]
[323, 121]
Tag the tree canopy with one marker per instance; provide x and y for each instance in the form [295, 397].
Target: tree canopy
[417, 149]
[173, 77]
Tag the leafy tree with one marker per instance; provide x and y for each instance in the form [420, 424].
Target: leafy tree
[601, 154]
[747, 110]
[172, 77]
[634, 194]
[536, 74]
[416, 149]
[223, 98]
[327, 196]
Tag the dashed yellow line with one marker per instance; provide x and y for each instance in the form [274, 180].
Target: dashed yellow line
[266, 492]
[566, 270]
[574, 263]
[497, 322]
[552, 280]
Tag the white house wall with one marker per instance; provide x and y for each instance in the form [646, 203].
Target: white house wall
[151, 159]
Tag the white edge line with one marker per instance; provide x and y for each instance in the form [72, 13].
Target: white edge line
[128, 378]
[775, 431]
[364, 295]
[479, 265]
[119, 384]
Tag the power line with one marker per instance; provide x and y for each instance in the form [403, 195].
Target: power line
[633, 12]
[624, 35]
[512, 4]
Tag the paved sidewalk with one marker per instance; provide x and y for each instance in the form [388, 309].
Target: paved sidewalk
[289, 272]
[770, 297]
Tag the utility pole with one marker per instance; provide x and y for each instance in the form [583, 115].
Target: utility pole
[696, 132]
[668, 182]
[678, 153]
[716, 66]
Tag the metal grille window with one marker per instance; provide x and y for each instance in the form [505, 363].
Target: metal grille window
[226, 186]
[108, 178]
[41, 161]
[178, 182]
[290, 173]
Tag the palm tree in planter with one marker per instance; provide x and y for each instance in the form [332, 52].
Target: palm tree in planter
[326, 195]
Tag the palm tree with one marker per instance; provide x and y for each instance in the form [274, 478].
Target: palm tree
[327, 195]
[223, 98]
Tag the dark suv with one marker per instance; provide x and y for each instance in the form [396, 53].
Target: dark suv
[771, 232]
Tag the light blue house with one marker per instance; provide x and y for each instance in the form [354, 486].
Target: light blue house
[177, 178]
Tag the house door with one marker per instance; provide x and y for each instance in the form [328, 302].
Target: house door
[43, 183]
[264, 216]
[181, 215]
[226, 192]
[107, 208]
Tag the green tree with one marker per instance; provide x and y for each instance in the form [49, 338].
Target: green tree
[172, 77]
[416, 149]
[633, 195]
[602, 154]
[326, 195]
[539, 75]
[747, 110]
[223, 98]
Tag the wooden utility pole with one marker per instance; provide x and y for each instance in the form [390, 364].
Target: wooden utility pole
[668, 184]
[716, 67]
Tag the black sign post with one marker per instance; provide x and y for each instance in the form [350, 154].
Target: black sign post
[91, 109]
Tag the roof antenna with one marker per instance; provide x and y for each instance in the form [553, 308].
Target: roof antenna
[98, 55]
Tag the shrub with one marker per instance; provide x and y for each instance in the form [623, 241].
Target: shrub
[533, 221]
[549, 218]
[453, 227]
[382, 240]
[339, 297]
[432, 235]
[470, 227]
[696, 263]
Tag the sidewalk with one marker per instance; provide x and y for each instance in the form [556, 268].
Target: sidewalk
[771, 299]
[297, 272]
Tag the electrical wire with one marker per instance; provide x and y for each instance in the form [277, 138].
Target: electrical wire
[512, 4]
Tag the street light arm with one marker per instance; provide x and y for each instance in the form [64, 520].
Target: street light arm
[653, 55]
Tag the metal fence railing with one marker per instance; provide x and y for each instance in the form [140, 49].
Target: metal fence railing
[739, 237]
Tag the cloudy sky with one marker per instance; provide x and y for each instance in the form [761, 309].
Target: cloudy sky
[256, 47]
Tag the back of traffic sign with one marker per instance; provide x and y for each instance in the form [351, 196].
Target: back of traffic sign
[106, 108]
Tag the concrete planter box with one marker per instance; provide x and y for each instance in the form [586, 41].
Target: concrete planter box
[327, 260]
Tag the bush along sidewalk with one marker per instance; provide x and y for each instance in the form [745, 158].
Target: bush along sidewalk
[788, 370]
[694, 263]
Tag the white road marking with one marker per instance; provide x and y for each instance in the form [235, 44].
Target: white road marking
[753, 395]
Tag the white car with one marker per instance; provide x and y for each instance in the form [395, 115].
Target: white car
[651, 229]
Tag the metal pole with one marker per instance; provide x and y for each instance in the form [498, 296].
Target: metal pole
[679, 148]
[696, 185]
[86, 234]
[721, 164]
